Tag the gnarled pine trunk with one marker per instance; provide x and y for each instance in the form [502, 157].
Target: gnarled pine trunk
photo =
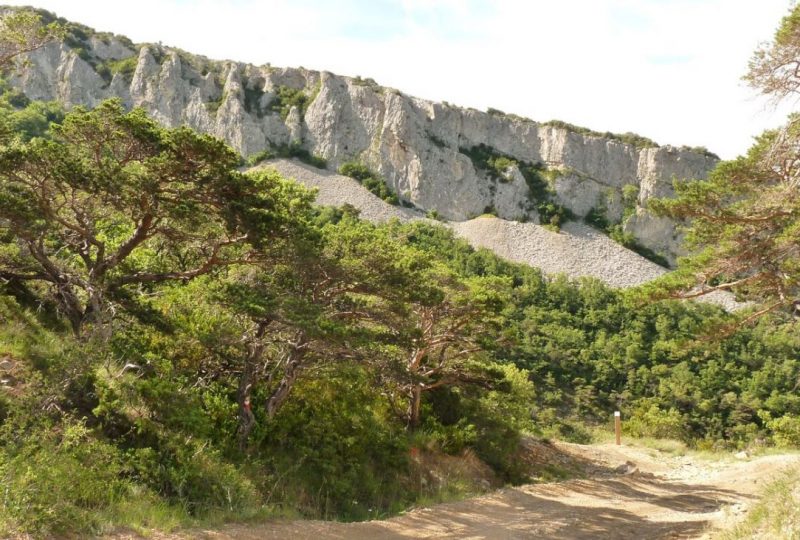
[247, 380]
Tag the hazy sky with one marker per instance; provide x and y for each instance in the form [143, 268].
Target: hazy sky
[666, 69]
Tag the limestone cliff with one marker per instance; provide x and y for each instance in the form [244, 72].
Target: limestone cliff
[425, 151]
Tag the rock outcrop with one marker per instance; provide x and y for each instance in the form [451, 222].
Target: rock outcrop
[576, 251]
[425, 151]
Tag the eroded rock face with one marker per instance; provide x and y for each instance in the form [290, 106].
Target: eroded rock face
[420, 148]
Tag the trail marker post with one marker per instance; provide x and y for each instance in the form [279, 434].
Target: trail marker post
[618, 427]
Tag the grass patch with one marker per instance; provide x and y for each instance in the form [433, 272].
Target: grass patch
[776, 515]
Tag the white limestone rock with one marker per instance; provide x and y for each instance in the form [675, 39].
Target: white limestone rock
[414, 144]
[109, 49]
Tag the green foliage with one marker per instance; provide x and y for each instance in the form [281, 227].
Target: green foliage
[702, 150]
[125, 66]
[785, 430]
[433, 214]
[286, 98]
[743, 219]
[770, 69]
[26, 120]
[485, 158]
[596, 217]
[629, 241]
[295, 150]
[356, 170]
[128, 206]
[630, 197]
[24, 30]
[370, 180]
[253, 98]
[289, 151]
[321, 356]
[744, 216]
[341, 454]
[60, 483]
[497, 167]
[626, 138]
[650, 421]
[195, 476]
[258, 157]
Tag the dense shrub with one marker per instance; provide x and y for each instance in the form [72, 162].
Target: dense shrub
[145, 404]
[293, 150]
[286, 98]
[370, 180]
[58, 483]
[651, 421]
[786, 430]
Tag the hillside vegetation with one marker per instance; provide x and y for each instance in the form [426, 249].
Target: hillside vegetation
[182, 341]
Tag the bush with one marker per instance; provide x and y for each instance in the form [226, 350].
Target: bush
[651, 421]
[59, 484]
[597, 218]
[126, 66]
[29, 119]
[258, 157]
[340, 450]
[356, 170]
[194, 475]
[490, 161]
[785, 431]
[289, 151]
[370, 180]
[286, 98]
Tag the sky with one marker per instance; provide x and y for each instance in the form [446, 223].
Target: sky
[667, 69]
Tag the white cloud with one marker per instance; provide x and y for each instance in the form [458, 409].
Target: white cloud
[669, 70]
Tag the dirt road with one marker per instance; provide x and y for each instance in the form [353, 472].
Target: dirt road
[631, 492]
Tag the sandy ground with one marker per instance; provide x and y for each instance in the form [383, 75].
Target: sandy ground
[630, 492]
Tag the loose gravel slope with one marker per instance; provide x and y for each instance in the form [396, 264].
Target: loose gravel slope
[577, 250]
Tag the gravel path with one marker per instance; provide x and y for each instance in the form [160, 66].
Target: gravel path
[634, 493]
[578, 250]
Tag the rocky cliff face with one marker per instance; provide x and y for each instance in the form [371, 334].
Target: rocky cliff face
[433, 155]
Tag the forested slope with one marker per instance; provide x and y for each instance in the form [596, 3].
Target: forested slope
[182, 339]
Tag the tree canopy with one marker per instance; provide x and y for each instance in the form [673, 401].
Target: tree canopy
[112, 200]
[22, 31]
[744, 231]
